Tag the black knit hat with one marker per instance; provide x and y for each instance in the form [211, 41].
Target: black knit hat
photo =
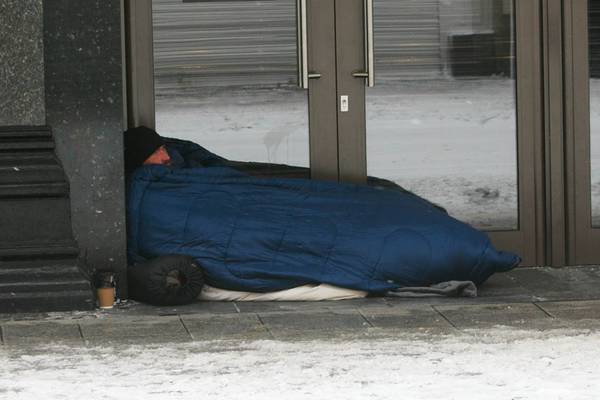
[140, 143]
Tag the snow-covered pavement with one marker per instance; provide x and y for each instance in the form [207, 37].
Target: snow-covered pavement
[486, 364]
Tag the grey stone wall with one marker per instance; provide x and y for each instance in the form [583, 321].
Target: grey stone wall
[21, 63]
[84, 107]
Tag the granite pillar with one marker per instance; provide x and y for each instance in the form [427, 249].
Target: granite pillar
[84, 108]
[21, 63]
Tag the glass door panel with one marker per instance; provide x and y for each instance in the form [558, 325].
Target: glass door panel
[594, 106]
[225, 76]
[582, 98]
[442, 118]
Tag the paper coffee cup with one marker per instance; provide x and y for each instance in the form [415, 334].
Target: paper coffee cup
[106, 297]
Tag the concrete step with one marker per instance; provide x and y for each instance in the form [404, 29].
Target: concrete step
[19, 138]
[46, 301]
[49, 273]
[27, 252]
[44, 286]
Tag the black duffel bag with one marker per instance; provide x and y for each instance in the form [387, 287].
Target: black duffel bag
[166, 280]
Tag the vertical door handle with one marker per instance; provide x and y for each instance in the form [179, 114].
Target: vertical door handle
[302, 43]
[369, 71]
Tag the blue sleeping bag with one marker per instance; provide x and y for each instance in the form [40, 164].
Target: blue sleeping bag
[261, 235]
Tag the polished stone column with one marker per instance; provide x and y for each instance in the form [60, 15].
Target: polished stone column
[84, 107]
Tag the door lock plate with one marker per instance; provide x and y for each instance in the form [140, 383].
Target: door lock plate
[344, 103]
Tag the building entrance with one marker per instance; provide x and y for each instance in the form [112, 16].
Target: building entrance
[458, 101]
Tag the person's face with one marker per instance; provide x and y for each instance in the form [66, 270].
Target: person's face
[160, 157]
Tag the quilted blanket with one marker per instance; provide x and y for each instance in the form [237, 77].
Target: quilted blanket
[267, 234]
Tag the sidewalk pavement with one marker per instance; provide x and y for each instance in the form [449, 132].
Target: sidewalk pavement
[525, 299]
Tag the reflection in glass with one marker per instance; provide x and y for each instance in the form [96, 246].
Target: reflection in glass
[225, 77]
[594, 51]
[441, 119]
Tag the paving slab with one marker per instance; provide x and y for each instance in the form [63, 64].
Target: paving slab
[309, 326]
[309, 306]
[503, 285]
[134, 330]
[401, 302]
[576, 283]
[226, 327]
[39, 333]
[283, 306]
[358, 304]
[410, 317]
[134, 308]
[202, 307]
[524, 316]
[573, 310]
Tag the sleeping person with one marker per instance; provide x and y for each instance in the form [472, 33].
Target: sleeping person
[268, 235]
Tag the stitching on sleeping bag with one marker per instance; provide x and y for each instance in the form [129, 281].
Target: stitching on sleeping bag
[480, 259]
[377, 267]
[271, 262]
[333, 245]
[374, 270]
[278, 250]
[145, 175]
[226, 252]
[187, 220]
[139, 217]
[223, 250]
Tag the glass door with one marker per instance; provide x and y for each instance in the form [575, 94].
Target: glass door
[248, 80]
[452, 100]
[225, 76]
[582, 99]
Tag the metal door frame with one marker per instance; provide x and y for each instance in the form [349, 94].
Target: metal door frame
[351, 58]
[583, 238]
[322, 99]
[554, 134]
[139, 56]
[528, 240]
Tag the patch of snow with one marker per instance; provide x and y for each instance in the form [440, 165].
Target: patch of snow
[491, 364]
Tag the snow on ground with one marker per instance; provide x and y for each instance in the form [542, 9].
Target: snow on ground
[496, 364]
